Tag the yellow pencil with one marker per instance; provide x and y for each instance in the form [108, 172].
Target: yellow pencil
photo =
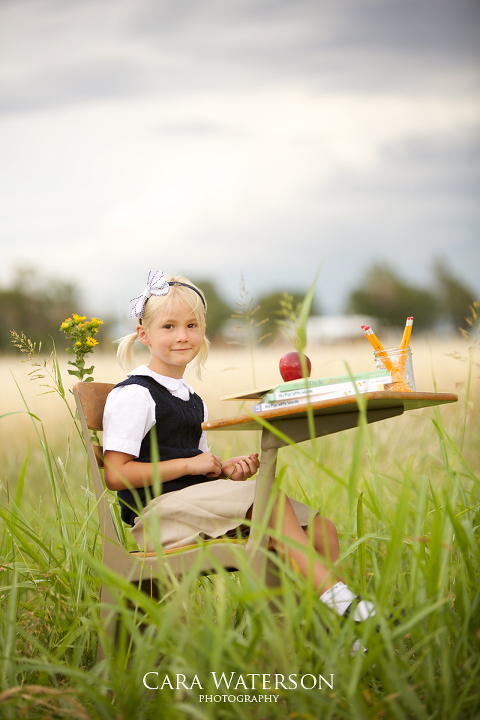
[372, 338]
[406, 334]
[376, 344]
[405, 343]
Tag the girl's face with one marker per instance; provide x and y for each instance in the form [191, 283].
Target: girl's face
[174, 340]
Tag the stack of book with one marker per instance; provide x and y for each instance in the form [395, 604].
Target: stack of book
[301, 392]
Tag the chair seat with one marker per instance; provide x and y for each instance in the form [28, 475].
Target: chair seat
[214, 541]
[194, 546]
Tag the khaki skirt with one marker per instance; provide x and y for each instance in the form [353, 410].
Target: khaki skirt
[208, 510]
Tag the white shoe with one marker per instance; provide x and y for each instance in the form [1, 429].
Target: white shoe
[361, 611]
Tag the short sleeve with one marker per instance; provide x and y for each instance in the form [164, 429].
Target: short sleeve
[129, 415]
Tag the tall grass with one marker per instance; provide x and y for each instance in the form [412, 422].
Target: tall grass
[405, 496]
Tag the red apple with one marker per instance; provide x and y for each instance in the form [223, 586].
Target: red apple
[291, 367]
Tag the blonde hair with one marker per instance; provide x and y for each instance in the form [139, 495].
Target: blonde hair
[160, 305]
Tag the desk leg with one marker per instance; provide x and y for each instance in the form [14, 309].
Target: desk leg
[258, 542]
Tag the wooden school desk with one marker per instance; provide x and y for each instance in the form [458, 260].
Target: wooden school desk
[290, 425]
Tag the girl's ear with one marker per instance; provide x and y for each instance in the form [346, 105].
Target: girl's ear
[142, 335]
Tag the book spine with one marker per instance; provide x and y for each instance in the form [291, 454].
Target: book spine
[276, 405]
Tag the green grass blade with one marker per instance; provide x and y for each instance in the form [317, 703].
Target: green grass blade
[362, 555]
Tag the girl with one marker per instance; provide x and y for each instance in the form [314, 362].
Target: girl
[200, 494]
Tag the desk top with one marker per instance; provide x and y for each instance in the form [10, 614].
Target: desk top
[375, 400]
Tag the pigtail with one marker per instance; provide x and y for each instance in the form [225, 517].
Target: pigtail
[125, 354]
[197, 364]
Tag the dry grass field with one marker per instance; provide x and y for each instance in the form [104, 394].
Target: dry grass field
[438, 365]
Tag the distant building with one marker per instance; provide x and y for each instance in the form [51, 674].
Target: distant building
[335, 328]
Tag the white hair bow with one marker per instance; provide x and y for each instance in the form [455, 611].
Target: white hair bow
[156, 285]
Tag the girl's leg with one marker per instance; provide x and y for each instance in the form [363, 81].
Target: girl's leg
[332, 590]
[325, 541]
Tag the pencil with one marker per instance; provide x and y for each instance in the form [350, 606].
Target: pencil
[372, 338]
[405, 343]
[406, 333]
[376, 344]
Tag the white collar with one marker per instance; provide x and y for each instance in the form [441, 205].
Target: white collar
[172, 384]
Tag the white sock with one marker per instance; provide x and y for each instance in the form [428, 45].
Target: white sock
[339, 598]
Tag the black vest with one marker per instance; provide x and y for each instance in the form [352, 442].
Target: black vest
[178, 431]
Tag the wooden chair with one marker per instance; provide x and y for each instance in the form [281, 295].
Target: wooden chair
[140, 567]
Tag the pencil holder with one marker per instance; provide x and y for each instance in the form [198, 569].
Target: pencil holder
[398, 362]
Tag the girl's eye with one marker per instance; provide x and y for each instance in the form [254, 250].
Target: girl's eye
[192, 325]
[168, 326]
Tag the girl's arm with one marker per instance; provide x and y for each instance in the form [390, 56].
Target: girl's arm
[121, 471]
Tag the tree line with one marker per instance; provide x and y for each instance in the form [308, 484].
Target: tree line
[383, 294]
[37, 306]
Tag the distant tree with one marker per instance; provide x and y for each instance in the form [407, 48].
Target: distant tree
[384, 295]
[218, 309]
[270, 309]
[455, 299]
[36, 306]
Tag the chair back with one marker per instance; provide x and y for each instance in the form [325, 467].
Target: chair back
[90, 398]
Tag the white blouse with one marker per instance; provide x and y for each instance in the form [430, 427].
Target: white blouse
[130, 412]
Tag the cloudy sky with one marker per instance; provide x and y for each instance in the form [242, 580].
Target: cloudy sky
[219, 137]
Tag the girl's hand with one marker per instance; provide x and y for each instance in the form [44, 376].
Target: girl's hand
[205, 464]
[242, 467]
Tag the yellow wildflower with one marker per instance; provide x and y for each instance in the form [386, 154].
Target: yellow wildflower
[80, 332]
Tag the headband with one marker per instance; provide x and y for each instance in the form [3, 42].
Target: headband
[157, 285]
